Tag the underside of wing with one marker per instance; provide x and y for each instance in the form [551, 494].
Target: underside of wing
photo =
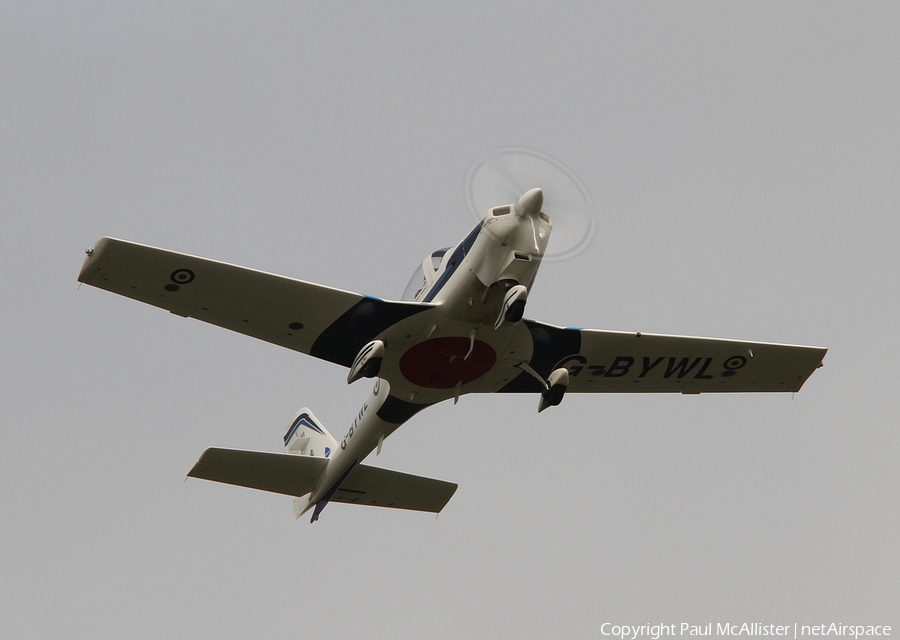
[321, 321]
[616, 362]
[378, 487]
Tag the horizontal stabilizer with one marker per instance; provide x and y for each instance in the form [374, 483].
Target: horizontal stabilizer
[379, 487]
[295, 475]
[284, 473]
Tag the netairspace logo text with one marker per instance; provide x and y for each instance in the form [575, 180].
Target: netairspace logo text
[747, 629]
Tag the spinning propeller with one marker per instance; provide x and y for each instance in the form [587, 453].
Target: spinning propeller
[503, 175]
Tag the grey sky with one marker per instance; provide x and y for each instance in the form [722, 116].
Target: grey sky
[744, 167]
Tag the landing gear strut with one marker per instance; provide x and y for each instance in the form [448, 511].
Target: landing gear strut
[554, 387]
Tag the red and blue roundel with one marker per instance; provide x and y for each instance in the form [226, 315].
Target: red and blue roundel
[440, 363]
[182, 276]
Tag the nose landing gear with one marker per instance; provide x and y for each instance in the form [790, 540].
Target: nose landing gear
[513, 305]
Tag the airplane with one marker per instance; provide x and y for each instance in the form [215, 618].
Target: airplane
[459, 328]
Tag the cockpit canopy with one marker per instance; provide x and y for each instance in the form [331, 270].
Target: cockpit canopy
[424, 276]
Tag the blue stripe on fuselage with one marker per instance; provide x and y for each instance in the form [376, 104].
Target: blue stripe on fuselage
[455, 260]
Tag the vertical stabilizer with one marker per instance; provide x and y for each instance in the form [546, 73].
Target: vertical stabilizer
[307, 437]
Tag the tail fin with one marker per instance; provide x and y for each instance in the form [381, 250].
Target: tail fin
[307, 437]
[308, 446]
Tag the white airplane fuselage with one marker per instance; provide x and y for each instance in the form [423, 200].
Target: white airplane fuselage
[453, 348]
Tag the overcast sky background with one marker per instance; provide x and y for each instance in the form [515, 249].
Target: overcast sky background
[743, 163]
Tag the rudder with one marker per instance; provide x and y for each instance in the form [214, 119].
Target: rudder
[307, 437]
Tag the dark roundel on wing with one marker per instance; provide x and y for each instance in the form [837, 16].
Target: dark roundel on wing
[182, 276]
[440, 363]
[732, 364]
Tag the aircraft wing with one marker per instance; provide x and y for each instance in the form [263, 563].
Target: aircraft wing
[323, 322]
[294, 475]
[614, 361]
